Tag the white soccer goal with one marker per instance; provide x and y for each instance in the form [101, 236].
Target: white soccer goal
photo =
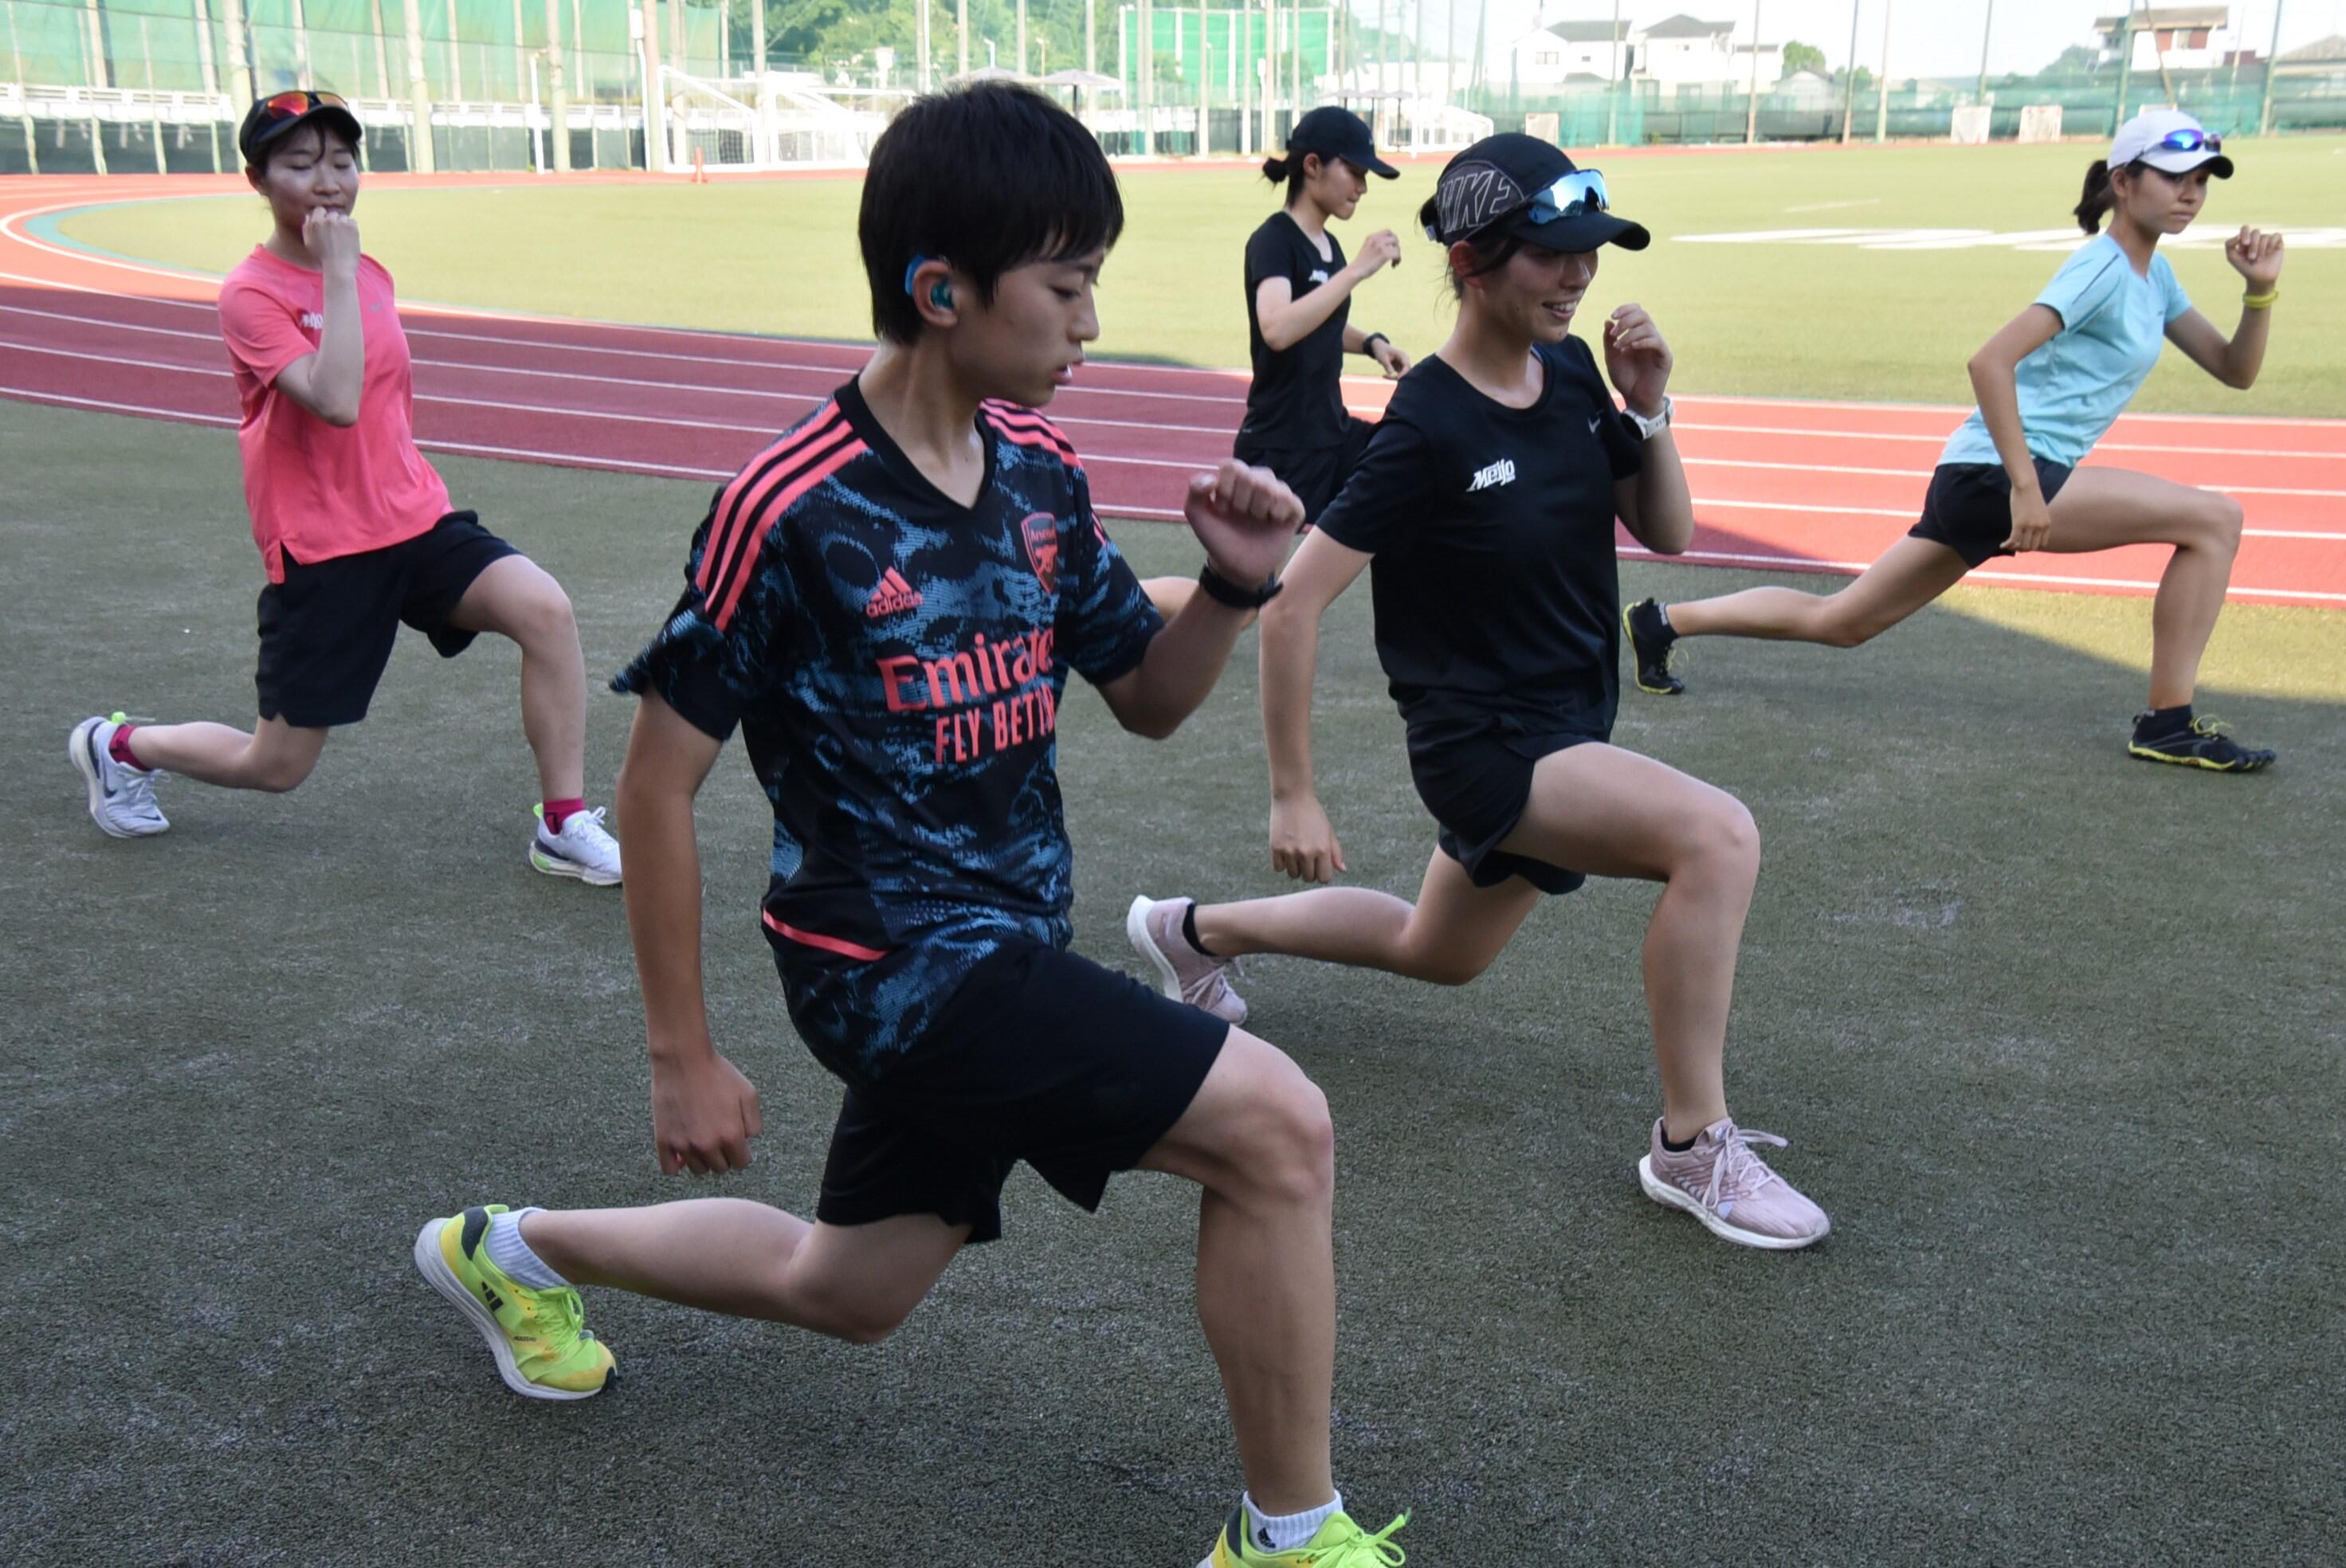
[2040, 122]
[1971, 124]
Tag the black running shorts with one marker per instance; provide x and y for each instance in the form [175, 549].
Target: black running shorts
[1969, 507]
[1477, 780]
[1038, 1055]
[326, 630]
[1316, 474]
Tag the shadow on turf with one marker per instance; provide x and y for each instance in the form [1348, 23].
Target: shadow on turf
[2044, 1026]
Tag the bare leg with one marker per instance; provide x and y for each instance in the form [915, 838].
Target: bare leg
[1448, 937]
[1910, 574]
[1258, 1139]
[516, 598]
[1613, 813]
[2101, 508]
[751, 1260]
[274, 756]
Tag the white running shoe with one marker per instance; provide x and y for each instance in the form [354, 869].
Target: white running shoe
[121, 799]
[1153, 926]
[583, 849]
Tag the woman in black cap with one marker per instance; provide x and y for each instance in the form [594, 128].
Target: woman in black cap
[355, 529]
[1487, 500]
[1299, 291]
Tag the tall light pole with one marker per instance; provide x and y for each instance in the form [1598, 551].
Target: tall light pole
[1620, 84]
[961, 31]
[559, 98]
[1849, 81]
[1882, 106]
[2272, 57]
[419, 92]
[1751, 98]
[1987, 31]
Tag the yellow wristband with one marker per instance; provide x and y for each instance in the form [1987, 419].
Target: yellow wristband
[2259, 301]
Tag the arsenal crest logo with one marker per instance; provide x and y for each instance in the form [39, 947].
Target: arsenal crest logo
[1040, 532]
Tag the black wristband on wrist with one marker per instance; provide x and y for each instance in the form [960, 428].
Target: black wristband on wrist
[1369, 344]
[1222, 591]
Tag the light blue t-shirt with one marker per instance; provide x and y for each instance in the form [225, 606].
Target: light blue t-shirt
[2074, 385]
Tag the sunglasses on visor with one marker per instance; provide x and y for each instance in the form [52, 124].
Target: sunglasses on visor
[2190, 141]
[1581, 191]
[293, 106]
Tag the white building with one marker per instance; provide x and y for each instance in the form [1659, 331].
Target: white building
[1562, 50]
[1680, 50]
[1687, 50]
[2191, 37]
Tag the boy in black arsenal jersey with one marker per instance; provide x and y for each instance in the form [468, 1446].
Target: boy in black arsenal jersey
[887, 601]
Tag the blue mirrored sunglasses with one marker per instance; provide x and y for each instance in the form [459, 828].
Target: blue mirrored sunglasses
[1581, 191]
[2191, 141]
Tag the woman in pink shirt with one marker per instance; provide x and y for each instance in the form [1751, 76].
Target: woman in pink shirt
[356, 529]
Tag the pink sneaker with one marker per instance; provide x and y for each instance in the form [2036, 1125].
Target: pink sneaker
[1724, 1183]
[1153, 926]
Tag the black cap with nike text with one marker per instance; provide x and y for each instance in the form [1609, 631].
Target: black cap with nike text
[1519, 184]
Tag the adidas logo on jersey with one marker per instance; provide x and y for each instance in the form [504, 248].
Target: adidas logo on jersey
[1500, 472]
[895, 596]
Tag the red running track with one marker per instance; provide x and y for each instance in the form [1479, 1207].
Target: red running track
[1779, 483]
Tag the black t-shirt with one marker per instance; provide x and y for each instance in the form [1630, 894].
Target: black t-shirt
[1295, 400]
[1497, 600]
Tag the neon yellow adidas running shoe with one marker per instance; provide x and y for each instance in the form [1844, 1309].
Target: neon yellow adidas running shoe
[538, 1337]
[1341, 1543]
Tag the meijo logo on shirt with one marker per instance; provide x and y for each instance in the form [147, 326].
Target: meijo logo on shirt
[313, 319]
[1500, 472]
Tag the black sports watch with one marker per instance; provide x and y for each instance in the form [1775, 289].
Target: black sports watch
[1222, 591]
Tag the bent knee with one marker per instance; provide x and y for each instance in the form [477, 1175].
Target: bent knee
[2223, 518]
[1451, 968]
[1723, 837]
[858, 1322]
[1291, 1157]
[278, 775]
[548, 615]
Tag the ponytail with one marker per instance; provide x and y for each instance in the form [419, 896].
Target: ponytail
[1288, 169]
[2099, 199]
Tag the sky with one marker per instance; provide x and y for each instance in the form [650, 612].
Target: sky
[1927, 37]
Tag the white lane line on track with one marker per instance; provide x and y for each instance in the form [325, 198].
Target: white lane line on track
[1094, 459]
[1074, 418]
[679, 472]
[1728, 400]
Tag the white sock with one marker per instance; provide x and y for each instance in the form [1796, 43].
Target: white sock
[1286, 1533]
[510, 1253]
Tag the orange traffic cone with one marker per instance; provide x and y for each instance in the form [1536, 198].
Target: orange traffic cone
[700, 166]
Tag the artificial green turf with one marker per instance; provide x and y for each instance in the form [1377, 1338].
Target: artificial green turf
[2055, 1034]
[1782, 321]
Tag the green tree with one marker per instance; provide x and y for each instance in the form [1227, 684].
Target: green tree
[1800, 56]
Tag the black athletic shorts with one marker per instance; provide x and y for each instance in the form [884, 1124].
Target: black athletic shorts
[1969, 507]
[326, 630]
[1316, 474]
[1038, 1055]
[1476, 777]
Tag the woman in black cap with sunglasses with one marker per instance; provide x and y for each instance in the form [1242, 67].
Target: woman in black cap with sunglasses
[1486, 500]
[355, 529]
[1298, 292]
[2050, 382]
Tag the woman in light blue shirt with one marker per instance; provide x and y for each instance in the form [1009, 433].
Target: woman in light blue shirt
[2049, 385]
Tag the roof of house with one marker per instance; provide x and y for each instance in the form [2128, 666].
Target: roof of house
[1684, 26]
[2333, 47]
[2163, 16]
[1590, 32]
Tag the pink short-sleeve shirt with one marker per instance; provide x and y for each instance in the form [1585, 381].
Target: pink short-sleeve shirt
[315, 489]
